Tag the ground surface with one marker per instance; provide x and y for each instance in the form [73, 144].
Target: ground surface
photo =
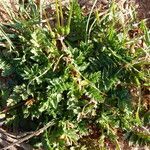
[142, 6]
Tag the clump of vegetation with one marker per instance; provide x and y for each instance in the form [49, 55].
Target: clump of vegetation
[77, 74]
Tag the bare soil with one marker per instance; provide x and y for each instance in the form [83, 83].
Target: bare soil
[142, 6]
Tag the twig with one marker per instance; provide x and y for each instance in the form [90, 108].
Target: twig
[14, 136]
[36, 133]
[7, 138]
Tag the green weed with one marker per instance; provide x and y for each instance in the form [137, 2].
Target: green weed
[78, 73]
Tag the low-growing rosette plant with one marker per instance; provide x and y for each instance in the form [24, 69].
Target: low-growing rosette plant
[76, 73]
